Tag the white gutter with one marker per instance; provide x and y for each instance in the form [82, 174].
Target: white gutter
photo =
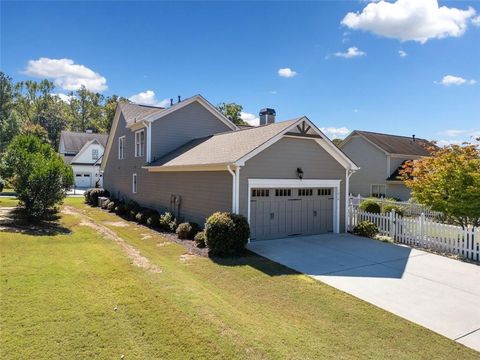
[149, 142]
[234, 188]
[237, 190]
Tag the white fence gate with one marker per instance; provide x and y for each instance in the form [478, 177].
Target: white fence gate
[422, 232]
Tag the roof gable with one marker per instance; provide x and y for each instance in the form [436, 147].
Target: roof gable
[394, 144]
[73, 142]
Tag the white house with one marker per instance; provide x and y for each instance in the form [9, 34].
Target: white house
[84, 152]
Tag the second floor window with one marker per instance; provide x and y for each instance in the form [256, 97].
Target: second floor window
[121, 147]
[139, 143]
[94, 154]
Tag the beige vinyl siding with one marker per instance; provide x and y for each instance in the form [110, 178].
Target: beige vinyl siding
[373, 165]
[202, 193]
[281, 160]
[181, 126]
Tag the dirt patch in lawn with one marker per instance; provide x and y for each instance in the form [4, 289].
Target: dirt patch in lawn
[132, 253]
[116, 223]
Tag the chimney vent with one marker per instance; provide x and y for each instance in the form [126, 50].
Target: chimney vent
[413, 138]
[267, 116]
[171, 101]
[179, 99]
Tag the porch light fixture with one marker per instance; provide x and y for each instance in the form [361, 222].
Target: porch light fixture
[300, 173]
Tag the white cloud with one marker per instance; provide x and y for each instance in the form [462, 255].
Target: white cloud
[448, 80]
[351, 53]
[410, 20]
[286, 72]
[64, 97]
[449, 142]
[460, 136]
[274, 92]
[402, 53]
[464, 133]
[334, 133]
[251, 119]
[476, 21]
[148, 98]
[66, 74]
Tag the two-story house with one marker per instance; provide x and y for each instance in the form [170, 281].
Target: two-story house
[84, 152]
[380, 158]
[287, 178]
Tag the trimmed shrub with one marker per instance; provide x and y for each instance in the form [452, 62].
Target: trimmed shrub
[2, 184]
[226, 233]
[370, 206]
[112, 204]
[186, 230]
[165, 220]
[389, 207]
[105, 204]
[142, 215]
[92, 195]
[366, 229]
[154, 220]
[121, 209]
[200, 239]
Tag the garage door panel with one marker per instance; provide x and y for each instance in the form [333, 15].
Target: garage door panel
[276, 214]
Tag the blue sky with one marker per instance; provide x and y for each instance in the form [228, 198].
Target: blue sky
[343, 72]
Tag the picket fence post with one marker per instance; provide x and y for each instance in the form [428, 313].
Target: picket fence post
[422, 229]
[392, 224]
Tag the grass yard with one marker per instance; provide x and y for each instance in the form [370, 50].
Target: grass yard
[78, 296]
[8, 201]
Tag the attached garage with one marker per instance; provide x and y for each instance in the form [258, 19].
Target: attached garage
[282, 212]
[83, 180]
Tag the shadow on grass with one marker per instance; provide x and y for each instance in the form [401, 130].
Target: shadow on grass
[258, 262]
[14, 220]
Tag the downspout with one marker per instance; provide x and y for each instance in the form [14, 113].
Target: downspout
[149, 142]
[234, 186]
[237, 190]
[348, 173]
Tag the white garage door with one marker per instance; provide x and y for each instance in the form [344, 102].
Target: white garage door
[82, 179]
[277, 213]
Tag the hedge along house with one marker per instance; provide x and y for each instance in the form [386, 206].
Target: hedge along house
[287, 178]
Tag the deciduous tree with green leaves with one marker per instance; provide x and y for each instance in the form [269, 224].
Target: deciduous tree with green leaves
[448, 181]
[232, 111]
[38, 174]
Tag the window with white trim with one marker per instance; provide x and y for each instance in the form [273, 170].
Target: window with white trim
[283, 192]
[94, 154]
[260, 192]
[134, 183]
[139, 143]
[324, 192]
[378, 190]
[121, 147]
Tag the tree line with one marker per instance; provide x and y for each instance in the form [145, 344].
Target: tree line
[31, 107]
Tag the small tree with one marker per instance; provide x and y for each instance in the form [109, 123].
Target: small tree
[39, 176]
[449, 182]
[232, 112]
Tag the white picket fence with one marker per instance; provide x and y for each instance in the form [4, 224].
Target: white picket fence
[409, 208]
[422, 232]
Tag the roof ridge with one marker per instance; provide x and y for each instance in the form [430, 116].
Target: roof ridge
[255, 127]
[378, 133]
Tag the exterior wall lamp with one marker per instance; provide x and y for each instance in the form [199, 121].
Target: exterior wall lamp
[300, 173]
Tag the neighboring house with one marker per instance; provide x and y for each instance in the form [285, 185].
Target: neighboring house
[287, 178]
[380, 158]
[84, 152]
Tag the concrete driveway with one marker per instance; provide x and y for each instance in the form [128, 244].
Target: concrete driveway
[436, 292]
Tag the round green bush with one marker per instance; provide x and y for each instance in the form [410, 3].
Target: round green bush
[166, 220]
[370, 206]
[389, 207]
[111, 205]
[105, 204]
[2, 184]
[186, 230]
[200, 239]
[226, 233]
[154, 220]
[142, 215]
[92, 195]
[366, 228]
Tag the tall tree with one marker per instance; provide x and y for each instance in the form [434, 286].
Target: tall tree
[9, 120]
[109, 111]
[232, 111]
[448, 181]
[86, 110]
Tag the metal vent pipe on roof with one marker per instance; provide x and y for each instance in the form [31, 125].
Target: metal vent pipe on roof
[267, 116]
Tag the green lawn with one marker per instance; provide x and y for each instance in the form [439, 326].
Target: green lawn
[8, 201]
[59, 295]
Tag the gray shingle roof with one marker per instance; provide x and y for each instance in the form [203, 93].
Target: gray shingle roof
[395, 144]
[74, 141]
[223, 148]
[135, 112]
